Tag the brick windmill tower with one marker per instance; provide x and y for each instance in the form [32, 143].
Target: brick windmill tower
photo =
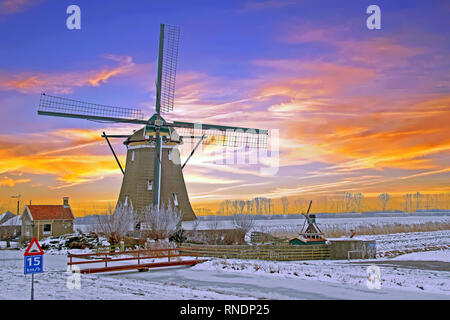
[153, 173]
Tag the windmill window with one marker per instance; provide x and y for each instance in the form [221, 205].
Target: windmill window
[28, 230]
[132, 155]
[175, 200]
[149, 185]
[170, 154]
[47, 228]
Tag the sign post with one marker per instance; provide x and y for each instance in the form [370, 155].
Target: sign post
[33, 261]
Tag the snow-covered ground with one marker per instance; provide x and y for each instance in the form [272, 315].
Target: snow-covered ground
[324, 223]
[433, 278]
[231, 279]
[424, 275]
[412, 265]
[390, 245]
[296, 224]
[439, 255]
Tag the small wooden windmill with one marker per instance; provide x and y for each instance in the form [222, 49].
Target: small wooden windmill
[312, 234]
[153, 172]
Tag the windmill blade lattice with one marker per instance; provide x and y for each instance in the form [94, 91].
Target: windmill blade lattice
[64, 107]
[230, 138]
[169, 67]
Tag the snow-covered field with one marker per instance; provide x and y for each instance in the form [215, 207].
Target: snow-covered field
[235, 279]
[296, 224]
[413, 265]
[324, 223]
[413, 277]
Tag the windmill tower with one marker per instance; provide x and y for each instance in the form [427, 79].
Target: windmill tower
[153, 172]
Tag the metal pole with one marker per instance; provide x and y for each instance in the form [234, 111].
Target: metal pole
[112, 150]
[192, 152]
[32, 286]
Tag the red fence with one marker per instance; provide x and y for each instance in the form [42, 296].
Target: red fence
[139, 255]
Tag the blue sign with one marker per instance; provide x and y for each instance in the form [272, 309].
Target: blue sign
[33, 264]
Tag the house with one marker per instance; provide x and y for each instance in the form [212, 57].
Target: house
[42, 221]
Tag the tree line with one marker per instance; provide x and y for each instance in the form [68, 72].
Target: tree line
[344, 202]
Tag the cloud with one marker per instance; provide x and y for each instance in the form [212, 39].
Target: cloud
[15, 6]
[60, 154]
[265, 5]
[63, 83]
[9, 182]
[407, 138]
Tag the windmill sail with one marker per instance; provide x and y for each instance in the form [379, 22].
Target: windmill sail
[167, 67]
[224, 135]
[69, 108]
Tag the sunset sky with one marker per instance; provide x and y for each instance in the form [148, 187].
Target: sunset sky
[353, 109]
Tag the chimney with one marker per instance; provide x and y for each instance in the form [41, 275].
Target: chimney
[66, 202]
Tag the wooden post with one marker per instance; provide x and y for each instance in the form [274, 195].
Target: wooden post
[106, 259]
[139, 260]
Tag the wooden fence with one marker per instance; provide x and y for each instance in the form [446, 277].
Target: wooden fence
[262, 252]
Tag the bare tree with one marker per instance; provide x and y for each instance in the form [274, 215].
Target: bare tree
[116, 223]
[418, 197]
[160, 223]
[241, 206]
[250, 206]
[348, 200]
[384, 199]
[7, 233]
[358, 199]
[243, 222]
[284, 204]
[407, 202]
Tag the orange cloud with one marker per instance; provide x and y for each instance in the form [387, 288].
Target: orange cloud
[9, 182]
[405, 139]
[65, 82]
[60, 154]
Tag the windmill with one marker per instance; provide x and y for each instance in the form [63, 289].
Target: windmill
[312, 234]
[153, 173]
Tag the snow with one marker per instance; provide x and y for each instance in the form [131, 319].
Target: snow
[339, 272]
[52, 283]
[413, 265]
[438, 255]
[323, 223]
[314, 280]
[400, 243]
[15, 221]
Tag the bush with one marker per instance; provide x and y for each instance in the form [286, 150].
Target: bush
[178, 236]
[76, 240]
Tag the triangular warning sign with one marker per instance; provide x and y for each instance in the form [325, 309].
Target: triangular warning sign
[34, 249]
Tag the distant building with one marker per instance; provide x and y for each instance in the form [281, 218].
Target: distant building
[10, 226]
[42, 221]
[6, 216]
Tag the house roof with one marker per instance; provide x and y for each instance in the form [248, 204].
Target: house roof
[50, 212]
[6, 216]
[14, 221]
